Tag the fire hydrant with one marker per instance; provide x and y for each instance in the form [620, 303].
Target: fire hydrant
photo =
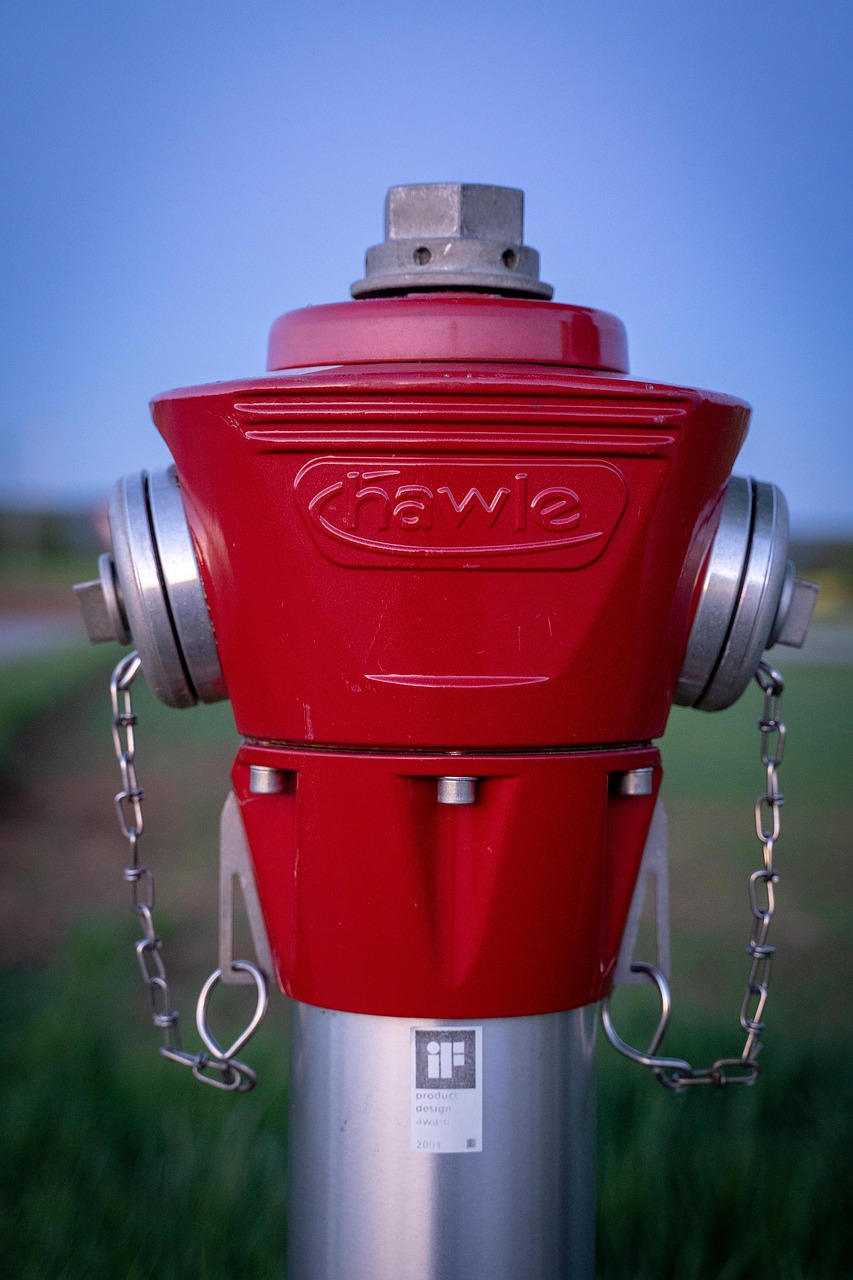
[452, 567]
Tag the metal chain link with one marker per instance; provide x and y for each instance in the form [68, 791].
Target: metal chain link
[220, 1069]
[675, 1073]
[230, 1074]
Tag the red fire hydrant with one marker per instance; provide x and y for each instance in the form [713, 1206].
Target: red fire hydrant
[452, 566]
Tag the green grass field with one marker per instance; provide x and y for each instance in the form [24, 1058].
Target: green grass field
[114, 1164]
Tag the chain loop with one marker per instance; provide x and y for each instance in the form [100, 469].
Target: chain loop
[673, 1073]
[222, 1070]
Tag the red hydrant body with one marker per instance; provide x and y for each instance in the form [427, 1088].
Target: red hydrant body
[452, 567]
[467, 544]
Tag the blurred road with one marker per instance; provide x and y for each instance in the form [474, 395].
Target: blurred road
[24, 634]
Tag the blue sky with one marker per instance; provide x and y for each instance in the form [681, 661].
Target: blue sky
[176, 175]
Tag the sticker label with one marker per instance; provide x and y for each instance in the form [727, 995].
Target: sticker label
[447, 1089]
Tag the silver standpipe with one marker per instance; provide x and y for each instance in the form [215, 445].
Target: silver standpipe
[511, 1102]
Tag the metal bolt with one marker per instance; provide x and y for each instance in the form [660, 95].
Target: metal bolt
[101, 605]
[636, 782]
[795, 611]
[453, 235]
[264, 781]
[457, 790]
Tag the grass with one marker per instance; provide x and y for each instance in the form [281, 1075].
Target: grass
[752, 1182]
[114, 1164]
[33, 688]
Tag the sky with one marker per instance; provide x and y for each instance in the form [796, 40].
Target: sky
[178, 174]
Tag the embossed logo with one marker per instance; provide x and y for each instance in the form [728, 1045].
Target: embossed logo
[460, 512]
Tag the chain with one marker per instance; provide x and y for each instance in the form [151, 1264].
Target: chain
[222, 1069]
[675, 1073]
[217, 1067]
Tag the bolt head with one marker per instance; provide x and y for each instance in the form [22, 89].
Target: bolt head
[461, 210]
[458, 236]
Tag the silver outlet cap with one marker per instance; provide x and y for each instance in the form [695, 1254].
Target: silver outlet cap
[750, 598]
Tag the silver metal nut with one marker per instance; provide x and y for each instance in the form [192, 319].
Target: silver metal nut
[101, 605]
[794, 615]
[453, 235]
[265, 780]
[433, 210]
[457, 790]
[636, 782]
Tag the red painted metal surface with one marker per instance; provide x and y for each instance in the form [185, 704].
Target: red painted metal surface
[482, 557]
[449, 326]
[378, 898]
[470, 554]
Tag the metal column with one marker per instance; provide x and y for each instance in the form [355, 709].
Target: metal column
[365, 1206]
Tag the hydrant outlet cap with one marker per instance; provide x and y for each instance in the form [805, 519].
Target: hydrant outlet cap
[453, 235]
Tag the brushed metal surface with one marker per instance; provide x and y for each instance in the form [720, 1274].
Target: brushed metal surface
[364, 1206]
[138, 573]
[183, 585]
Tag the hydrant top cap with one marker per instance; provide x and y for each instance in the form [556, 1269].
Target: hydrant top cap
[452, 235]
